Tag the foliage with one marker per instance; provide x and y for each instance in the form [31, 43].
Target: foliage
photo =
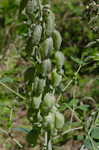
[77, 22]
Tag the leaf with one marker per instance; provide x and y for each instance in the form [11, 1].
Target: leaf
[77, 60]
[83, 107]
[6, 79]
[74, 102]
[88, 144]
[22, 129]
[95, 133]
[32, 136]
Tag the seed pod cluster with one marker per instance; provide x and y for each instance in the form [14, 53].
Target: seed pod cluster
[43, 45]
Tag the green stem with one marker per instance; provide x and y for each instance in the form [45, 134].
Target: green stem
[11, 90]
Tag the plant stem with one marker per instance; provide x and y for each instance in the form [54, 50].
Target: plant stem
[11, 90]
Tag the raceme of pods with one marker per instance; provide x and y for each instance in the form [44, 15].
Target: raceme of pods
[45, 75]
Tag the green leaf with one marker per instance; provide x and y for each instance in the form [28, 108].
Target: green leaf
[77, 60]
[95, 133]
[22, 129]
[32, 136]
[83, 107]
[88, 144]
[6, 79]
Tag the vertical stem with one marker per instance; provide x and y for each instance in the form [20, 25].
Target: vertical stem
[40, 8]
[46, 141]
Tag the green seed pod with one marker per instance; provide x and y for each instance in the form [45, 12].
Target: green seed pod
[57, 39]
[50, 24]
[36, 35]
[35, 85]
[49, 100]
[41, 85]
[46, 47]
[50, 121]
[59, 58]
[39, 117]
[46, 67]
[59, 120]
[38, 86]
[31, 7]
[37, 101]
[56, 78]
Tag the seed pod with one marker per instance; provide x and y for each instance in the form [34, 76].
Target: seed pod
[38, 86]
[39, 117]
[36, 35]
[35, 85]
[50, 24]
[59, 58]
[46, 67]
[57, 39]
[50, 121]
[41, 85]
[59, 120]
[37, 101]
[31, 7]
[49, 100]
[46, 47]
[56, 78]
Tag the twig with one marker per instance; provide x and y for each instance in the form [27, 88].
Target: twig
[11, 90]
[70, 130]
[11, 137]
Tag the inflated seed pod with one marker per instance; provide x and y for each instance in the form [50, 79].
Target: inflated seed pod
[35, 85]
[46, 67]
[41, 85]
[59, 59]
[37, 101]
[38, 86]
[49, 100]
[40, 118]
[46, 47]
[50, 24]
[59, 120]
[56, 78]
[57, 39]
[50, 121]
[31, 7]
[36, 35]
